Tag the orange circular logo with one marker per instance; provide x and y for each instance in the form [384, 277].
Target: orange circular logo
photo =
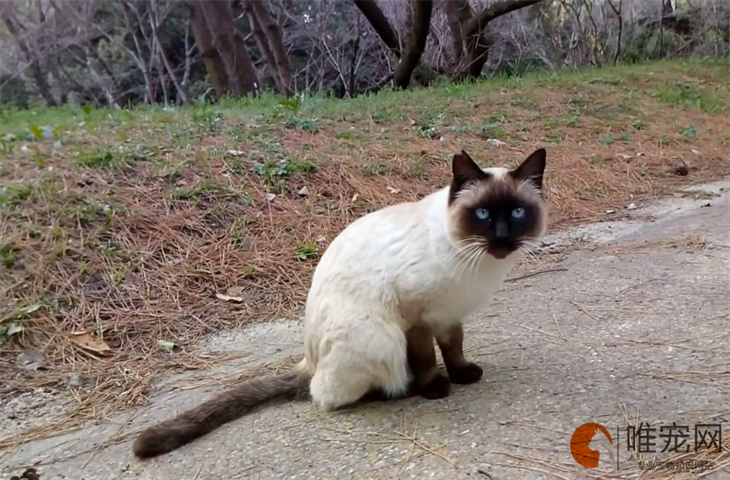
[581, 439]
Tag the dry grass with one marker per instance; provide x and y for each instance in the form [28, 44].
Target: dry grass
[121, 228]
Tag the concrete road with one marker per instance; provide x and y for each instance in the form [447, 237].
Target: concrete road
[635, 329]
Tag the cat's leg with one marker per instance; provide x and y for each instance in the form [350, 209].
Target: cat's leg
[365, 358]
[332, 388]
[428, 381]
[450, 342]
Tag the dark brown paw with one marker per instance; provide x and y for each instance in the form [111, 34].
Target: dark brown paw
[469, 373]
[439, 387]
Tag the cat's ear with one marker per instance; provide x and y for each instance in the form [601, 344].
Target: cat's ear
[532, 169]
[464, 170]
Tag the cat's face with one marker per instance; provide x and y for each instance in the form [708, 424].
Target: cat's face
[496, 209]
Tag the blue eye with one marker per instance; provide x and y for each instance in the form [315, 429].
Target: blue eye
[518, 212]
[482, 213]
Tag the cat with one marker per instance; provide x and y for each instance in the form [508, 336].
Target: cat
[387, 286]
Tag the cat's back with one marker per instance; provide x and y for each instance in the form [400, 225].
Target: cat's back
[379, 241]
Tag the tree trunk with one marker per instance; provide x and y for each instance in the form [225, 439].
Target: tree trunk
[52, 56]
[239, 70]
[40, 80]
[275, 39]
[478, 46]
[474, 37]
[263, 44]
[208, 53]
[416, 43]
[182, 96]
[617, 11]
[380, 24]
[458, 13]
[354, 62]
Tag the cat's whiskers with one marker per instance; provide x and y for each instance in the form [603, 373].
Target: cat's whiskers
[469, 251]
[530, 242]
[465, 256]
[531, 246]
[528, 254]
[479, 263]
[472, 264]
[462, 252]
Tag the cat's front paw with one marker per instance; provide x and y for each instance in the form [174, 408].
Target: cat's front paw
[438, 387]
[463, 375]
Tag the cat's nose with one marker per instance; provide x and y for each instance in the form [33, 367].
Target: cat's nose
[501, 231]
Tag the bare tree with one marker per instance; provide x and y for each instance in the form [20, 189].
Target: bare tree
[18, 31]
[214, 24]
[155, 21]
[415, 44]
[458, 13]
[270, 41]
[380, 24]
[471, 44]
[617, 11]
[208, 53]
[129, 51]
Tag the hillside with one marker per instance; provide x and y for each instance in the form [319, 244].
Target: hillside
[125, 235]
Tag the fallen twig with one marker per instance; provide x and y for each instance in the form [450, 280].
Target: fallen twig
[540, 272]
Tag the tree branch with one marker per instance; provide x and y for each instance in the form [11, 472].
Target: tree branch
[494, 10]
[417, 37]
[182, 96]
[380, 24]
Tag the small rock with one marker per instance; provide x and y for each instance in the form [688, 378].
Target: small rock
[393, 190]
[706, 204]
[303, 192]
[611, 211]
[681, 168]
[493, 142]
[31, 360]
[270, 196]
[632, 206]
[245, 243]
[75, 381]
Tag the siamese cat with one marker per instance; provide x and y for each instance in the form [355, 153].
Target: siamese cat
[386, 287]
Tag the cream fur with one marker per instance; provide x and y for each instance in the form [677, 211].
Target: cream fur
[385, 272]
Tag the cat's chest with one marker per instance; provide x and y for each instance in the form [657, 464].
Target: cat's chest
[457, 297]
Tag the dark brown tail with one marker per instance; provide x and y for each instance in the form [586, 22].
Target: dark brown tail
[226, 407]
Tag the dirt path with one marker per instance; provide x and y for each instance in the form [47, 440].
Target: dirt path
[636, 329]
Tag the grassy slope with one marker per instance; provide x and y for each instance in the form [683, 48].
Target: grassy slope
[125, 224]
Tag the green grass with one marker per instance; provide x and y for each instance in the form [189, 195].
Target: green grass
[307, 252]
[691, 94]
[15, 193]
[389, 107]
[8, 250]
